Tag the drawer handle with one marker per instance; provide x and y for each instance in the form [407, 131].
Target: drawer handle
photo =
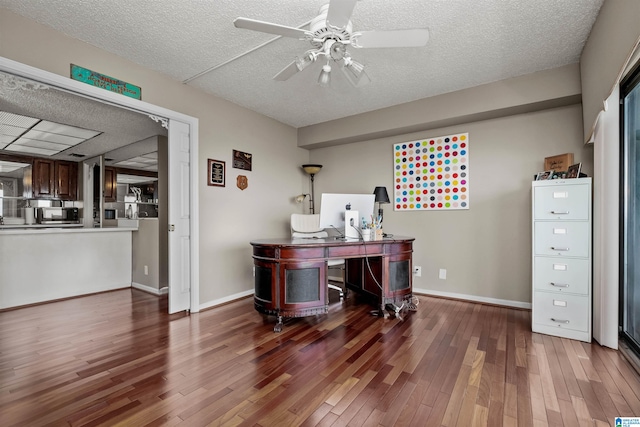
[559, 249]
[560, 285]
[559, 320]
[560, 212]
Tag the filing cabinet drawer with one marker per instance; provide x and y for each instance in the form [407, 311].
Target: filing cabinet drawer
[558, 238]
[565, 275]
[561, 311]
[562, 202]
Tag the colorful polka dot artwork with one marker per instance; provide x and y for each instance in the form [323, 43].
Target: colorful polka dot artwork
[431, 174]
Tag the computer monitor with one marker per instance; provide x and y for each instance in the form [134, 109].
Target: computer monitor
[333, 207]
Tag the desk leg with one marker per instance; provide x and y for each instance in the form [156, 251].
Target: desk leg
[279, 324]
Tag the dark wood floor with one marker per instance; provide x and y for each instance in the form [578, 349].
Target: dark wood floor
[118, 359]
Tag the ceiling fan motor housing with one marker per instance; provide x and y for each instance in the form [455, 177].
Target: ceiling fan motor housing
[321, 31]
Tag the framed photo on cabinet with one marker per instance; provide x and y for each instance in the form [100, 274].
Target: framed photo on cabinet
[216, 173]
[574, 171]
[541, 176]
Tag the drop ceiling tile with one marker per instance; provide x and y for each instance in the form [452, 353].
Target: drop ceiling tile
[11, 130]
[30, 150]
[17, 120]
[37, 143]
[53, 137]
[61, 129]
[6, 139]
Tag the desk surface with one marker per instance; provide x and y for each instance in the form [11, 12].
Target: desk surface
[330, 241]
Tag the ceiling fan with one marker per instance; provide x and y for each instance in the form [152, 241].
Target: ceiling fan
[330, 33]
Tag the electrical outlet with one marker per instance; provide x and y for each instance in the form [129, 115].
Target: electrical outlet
[417, 271]
[146, 270]
[443, 274]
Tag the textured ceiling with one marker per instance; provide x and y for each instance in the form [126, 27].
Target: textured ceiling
[118, 127]
[472, 42]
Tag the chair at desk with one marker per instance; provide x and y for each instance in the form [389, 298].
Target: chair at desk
[308, 226]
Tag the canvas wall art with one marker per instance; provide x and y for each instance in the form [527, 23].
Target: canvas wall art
[431, 174]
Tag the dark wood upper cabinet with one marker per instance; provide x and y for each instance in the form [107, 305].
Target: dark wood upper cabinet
[110, 184]
[66, 180]
[43, 176]
[55, 179]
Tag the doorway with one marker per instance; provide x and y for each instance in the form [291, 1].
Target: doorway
[182, 169]
[630, 220]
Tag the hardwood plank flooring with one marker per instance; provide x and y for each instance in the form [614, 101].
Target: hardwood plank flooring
[117, 358]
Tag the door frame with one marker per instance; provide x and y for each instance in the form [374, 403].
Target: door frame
[82, 89]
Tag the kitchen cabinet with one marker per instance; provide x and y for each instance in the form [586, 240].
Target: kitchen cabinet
[44, 178]
[110, 184]
[561, 281]
[66, 176]
[55, 179]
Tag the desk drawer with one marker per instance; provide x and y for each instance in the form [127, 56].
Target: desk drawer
[564, 275]
[561, 311]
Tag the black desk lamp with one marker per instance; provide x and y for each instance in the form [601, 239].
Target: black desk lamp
[381, 197]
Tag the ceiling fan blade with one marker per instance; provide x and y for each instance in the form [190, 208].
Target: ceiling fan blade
[287, 72]
[267, 27]
[417, 37]
[339, 13]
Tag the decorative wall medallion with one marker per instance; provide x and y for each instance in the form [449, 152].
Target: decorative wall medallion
[242, 182]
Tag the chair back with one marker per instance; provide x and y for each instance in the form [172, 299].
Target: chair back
[303, 225]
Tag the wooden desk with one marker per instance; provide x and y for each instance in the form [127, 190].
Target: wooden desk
[291, 274]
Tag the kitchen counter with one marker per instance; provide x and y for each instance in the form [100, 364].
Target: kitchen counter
[34, 229]
[39, 226]
[45, 264]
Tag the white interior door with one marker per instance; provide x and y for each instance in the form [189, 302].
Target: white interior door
[179, 175]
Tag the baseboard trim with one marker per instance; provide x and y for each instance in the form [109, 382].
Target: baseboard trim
[628, 354]
[474, 298]
[149, 289]
[418, 291]
[225, 300]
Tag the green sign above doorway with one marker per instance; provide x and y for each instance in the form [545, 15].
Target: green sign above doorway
[105, 82]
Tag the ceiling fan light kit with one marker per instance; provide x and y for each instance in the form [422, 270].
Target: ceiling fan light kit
[325, 76]
[330, 33]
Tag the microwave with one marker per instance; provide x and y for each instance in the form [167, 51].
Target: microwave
[57, 215]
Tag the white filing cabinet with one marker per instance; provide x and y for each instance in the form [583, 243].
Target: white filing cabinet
[561, 302]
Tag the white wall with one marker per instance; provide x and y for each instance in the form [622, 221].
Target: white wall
[604, 61]
[146, 252]
[486, 249]
[613, 38]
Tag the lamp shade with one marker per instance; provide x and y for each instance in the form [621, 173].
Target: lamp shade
[312, 169]
[381, 195]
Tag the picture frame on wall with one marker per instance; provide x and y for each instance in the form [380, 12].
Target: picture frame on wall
[574, 171]
[541, 176]
[216, 173]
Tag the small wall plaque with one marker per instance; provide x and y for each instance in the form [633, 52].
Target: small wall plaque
[242, 182]
[242, 160]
